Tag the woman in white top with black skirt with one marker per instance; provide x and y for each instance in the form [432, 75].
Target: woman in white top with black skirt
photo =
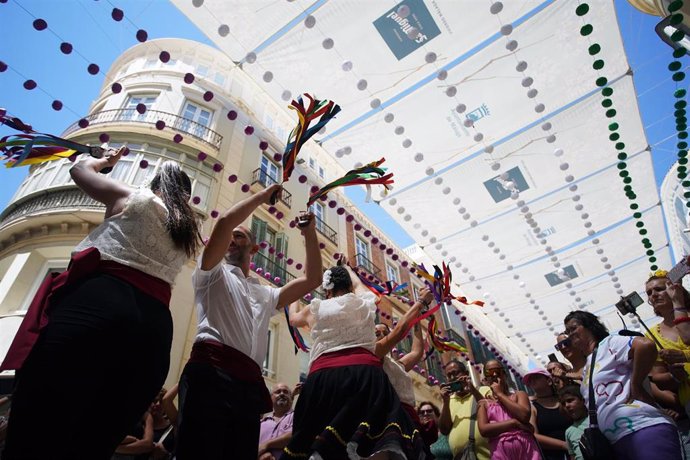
[96, 338]
[347, 407]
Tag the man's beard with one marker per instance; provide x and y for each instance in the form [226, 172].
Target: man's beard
[234, 258]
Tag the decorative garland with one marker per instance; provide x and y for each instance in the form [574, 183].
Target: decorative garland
[607, 103]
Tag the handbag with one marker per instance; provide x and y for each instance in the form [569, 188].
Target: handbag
[593, 443]
[469, 453]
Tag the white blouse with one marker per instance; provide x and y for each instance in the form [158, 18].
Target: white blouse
[401, 382]
[342, 322]
[137, 238]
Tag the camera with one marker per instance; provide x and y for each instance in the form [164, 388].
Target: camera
[456, 386]
[629, 303]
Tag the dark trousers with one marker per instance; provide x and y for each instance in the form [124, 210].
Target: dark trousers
[219, 415]
[92, 374]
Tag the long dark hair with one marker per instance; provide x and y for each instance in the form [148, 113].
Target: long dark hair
[590, 322]
[175, 189]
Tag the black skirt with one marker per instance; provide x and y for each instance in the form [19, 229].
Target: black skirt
[351, 412]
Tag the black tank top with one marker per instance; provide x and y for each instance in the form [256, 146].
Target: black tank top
[552, 423]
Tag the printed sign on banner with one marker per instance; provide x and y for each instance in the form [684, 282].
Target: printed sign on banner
[499, 187]
[406, 27]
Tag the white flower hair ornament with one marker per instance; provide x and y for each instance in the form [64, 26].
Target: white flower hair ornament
[326, 282]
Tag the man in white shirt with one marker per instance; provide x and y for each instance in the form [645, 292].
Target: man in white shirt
[222, 392]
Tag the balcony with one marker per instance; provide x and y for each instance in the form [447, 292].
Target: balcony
[151, 117]
[260, 176]
[268, 264]
[52, 200]
[367, 265]
[275, 269]
[326, 231]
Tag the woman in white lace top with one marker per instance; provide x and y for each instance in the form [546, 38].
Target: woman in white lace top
[97, 337]
[347, 406]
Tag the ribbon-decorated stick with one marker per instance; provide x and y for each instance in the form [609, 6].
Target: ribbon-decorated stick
[31, 147]
[367, 175]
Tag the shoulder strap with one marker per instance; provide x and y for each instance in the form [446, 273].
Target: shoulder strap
[473, 418]
[592, 404]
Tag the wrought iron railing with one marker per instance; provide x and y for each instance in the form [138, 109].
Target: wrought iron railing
[274, 267]
[260, 176]
[326, 231]
[54, 199]
[152, 117]
[364, 263]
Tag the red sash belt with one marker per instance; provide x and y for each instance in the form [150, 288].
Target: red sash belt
[235, 363]
[357, 356]
[82, 264]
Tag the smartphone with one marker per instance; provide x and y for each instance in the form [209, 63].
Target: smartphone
[681, 269]
[456, 386]
[553, 358]
[629, 303]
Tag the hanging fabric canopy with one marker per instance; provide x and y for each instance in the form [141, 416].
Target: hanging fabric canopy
[512, 128]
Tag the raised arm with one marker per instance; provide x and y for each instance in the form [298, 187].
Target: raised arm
[218, 243]
[168, 404]
[445, 421]
[680, 309]
[386, 344]
[299, 318]
[86, 174]
[416, 351]
[297, 288]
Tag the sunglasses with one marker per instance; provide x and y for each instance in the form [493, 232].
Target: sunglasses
[426, 412]
[562, 344]
[493, 372]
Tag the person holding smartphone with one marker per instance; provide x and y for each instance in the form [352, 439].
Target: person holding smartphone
[458, 418]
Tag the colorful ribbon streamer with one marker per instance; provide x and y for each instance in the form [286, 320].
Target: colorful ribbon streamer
[297, 338]
[31, 147]
[440, 344]
[366, 175]
[302, 132]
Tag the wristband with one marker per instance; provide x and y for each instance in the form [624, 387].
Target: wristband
[682, 310]
[682, 319]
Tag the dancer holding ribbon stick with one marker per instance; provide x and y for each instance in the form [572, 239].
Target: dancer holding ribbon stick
[98, 336]
[347, 406]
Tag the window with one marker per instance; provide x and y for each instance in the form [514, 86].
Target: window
[219, 79]
[312, 163]
[318, 210]
[269, 172]
[130, 113]
[264, 259]
[196, 119]
[392, 272]
[202, 70]
[362, 249]
[150, 63]
[322, 173]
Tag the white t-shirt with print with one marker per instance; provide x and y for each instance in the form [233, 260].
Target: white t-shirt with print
[612, 372]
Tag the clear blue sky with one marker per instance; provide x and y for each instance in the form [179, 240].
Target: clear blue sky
[88, 25]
